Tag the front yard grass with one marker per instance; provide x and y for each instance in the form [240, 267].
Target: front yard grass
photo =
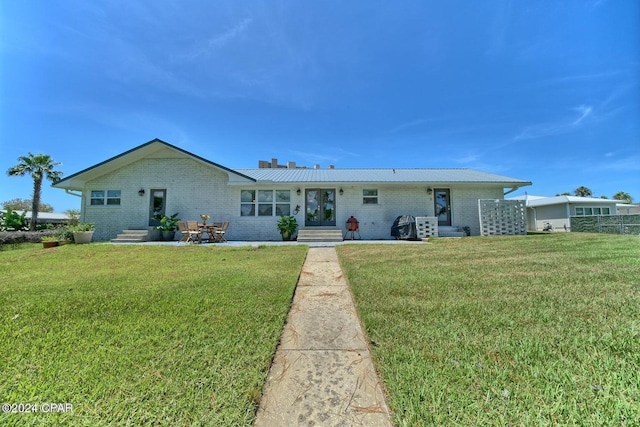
[527, 330]
[132, 335]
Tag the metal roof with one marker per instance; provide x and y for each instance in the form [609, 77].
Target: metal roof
[77, 180]
[533, 201]
[283, 175]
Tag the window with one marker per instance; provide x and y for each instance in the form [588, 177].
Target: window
[283, 202]
[108, 197]
[265, 202]
[268, 203]
[370, 197]
[113, 197]
[592, 211]
[248, 203]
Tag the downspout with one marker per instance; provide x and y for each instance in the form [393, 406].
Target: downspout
[535, 219]
[68, 191]
[511, 191]
[514, 188]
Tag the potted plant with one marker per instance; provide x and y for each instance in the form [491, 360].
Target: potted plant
[204, 218]
[287, 225]
[49, 241]
[83, 232]
[64, 235]
[168, 226]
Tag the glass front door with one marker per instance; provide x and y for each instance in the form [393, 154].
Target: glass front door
[442, 202]
[157, 205]
[320, 207]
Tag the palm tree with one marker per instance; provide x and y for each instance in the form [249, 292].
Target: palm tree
[39, 167]
[583, 192]
[623, 197]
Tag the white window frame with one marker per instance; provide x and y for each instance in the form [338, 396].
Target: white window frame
[370, 199]
[265, 202]
[592, 211]
[106, 198]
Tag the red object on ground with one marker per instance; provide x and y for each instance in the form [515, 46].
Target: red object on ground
[353, 224]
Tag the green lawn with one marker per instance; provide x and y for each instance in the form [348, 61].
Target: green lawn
[133, 335]
[527, 330]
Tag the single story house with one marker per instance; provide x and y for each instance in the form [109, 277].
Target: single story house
[45, 217]
[134, 189]
[558, 210]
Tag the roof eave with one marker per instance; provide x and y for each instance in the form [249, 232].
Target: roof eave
[75, 181]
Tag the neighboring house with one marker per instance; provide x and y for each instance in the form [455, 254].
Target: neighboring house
[134, 189]
[627, 209]
[45, 217]
[558, 210]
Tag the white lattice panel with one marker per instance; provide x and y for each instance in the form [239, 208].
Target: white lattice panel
[502, 217]
[427, 226]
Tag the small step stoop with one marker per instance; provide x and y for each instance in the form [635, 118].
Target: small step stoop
[444, 231]
[131, 236]
[310, 235]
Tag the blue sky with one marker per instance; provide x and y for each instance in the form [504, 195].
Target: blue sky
[546, 91]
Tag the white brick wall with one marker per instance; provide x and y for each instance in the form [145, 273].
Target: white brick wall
[464, 205]
[502, 217]
[194, 188]
[427, 226]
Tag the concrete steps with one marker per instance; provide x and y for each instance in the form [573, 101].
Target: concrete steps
[447, 231]
[319, 234]
[131, 236]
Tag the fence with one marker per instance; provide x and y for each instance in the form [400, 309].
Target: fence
[427, 226]
[611, 224]
[502, 217]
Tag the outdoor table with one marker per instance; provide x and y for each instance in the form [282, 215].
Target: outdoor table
[210, 229]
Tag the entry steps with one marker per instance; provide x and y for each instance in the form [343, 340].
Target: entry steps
[131, 236]
[319, 234]
[447, 231]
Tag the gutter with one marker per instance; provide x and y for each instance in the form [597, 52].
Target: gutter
[72, 193]
[517, 187]
[511, 191]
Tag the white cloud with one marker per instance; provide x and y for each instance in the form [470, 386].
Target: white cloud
[222, 40]
[584, 111]
[559, 127]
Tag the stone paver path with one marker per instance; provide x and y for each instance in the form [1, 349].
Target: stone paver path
[322, 373]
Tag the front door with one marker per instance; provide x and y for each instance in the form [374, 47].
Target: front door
[442, 202]
[320, 207]
[157, 205]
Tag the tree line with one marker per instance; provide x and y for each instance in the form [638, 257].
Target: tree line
[583, 191]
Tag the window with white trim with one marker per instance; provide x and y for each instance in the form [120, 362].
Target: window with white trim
[248, 203]
[105, 198]
[267, 203]
[370, 196]
[586, 211]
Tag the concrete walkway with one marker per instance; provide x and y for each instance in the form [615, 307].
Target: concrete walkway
[322, 373]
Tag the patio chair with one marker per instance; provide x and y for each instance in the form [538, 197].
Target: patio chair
[220, 232]
[195, 230]
[184, 231]
[190, 231]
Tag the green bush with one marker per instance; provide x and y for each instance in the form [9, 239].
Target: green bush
[83, 226]
[11, 221]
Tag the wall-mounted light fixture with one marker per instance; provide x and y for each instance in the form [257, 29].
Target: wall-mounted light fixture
[298, 191]
[341, 191]
[429, 190]
[141, 192]
[296, 210]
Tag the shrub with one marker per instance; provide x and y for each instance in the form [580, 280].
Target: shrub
[11, 221]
